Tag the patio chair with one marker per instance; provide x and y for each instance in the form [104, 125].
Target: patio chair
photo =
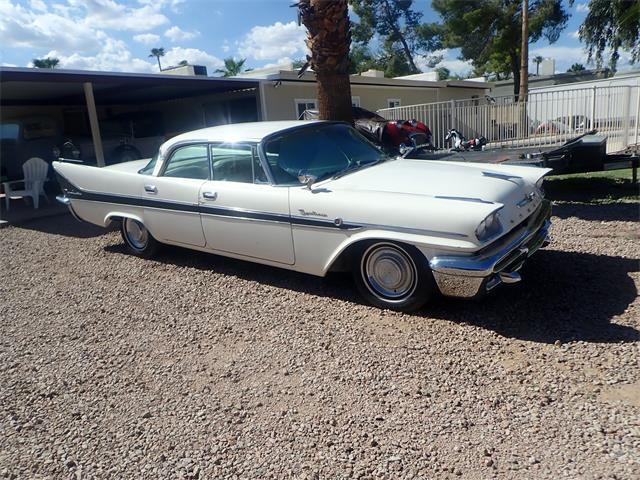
[35, 175]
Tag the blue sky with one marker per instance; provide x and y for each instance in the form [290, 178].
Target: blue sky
[117, 35]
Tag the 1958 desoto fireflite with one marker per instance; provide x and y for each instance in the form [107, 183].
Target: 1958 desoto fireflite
[316, 197]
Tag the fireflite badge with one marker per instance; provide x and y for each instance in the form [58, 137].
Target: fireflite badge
[312, 213]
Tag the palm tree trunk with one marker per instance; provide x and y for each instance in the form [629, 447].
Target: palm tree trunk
[329, 39]
[159, 66]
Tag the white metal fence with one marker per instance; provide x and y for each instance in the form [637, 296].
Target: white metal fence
[547, 118]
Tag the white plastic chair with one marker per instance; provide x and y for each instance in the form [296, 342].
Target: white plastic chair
[35, 175]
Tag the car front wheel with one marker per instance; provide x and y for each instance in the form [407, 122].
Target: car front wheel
[393, 276]
[138, 239]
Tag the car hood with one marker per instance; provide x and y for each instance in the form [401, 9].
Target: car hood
[460, 181]
[444, 199]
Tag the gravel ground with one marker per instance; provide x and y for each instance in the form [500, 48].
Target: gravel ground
[196, 366]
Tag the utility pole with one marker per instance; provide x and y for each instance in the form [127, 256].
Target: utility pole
[524, 53]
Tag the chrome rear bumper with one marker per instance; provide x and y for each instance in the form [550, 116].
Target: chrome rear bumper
[63, 199]
[474, 275]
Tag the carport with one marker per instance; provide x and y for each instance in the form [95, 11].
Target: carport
[183, 102]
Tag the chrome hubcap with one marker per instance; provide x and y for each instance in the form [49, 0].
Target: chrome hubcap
[389, 273]
[137, 235]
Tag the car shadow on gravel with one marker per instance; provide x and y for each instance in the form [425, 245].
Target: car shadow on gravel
[564, 296]
[609, 212]
[64, 225]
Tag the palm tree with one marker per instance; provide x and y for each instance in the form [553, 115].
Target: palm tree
[538, 60]
[48, 62]
[329, 39]
[231, 67]
[157, 52]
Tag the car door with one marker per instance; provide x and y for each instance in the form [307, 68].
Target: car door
[242, 213]
[170, 199]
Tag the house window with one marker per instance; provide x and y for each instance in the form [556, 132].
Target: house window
[355, 101]
[393, 102]
[303, 104]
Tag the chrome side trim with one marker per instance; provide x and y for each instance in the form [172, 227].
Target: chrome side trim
[464, 199]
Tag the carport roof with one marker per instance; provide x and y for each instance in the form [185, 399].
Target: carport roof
[30, 86]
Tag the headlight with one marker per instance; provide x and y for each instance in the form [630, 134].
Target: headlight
[489, 227]
[56, 152]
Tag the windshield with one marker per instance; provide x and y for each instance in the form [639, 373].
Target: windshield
[321, 150]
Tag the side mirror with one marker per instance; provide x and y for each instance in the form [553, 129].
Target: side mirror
[307, 180]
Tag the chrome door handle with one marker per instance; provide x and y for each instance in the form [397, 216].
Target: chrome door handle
[151, 189]
[210, 195]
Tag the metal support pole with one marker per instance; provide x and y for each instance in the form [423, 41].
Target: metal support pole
[592, 121]
[93, 121]
[637, 127]
[626, 117]
[453, 115]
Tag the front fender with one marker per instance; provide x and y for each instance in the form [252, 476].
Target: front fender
[428, 245]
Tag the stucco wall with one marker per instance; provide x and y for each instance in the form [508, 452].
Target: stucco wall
[279, 102]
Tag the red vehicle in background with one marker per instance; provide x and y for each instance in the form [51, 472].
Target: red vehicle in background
[394, 136]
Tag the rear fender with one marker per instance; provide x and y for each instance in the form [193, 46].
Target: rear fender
[115, 216]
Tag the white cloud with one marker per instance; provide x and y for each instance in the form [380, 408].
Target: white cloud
[273, 41]
[561, 54]
[109, 14]
[192, 55]
[147, 38]
[21, 27]
[582, 7]
[175, 33]
[38, 5]
[113, 56]
[576, 34]
[455, 66]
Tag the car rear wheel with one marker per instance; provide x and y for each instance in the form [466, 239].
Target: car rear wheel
[392, 275]
[138, 239]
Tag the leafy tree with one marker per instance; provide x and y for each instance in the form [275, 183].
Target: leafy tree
[611, 25]
[576, 67]
[538, 60]
[157, 52]
[329, 40]
[489, 33]
[399, 27]
[48, 62]
[443, 73]
[231, 67]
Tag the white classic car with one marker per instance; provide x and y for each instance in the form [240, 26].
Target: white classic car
[317, 197]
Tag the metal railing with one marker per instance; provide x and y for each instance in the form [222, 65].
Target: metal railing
[547, 118]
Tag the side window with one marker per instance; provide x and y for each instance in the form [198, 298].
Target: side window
[190, 161]
[236, 163]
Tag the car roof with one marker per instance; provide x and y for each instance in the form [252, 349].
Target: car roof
[238, 132]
